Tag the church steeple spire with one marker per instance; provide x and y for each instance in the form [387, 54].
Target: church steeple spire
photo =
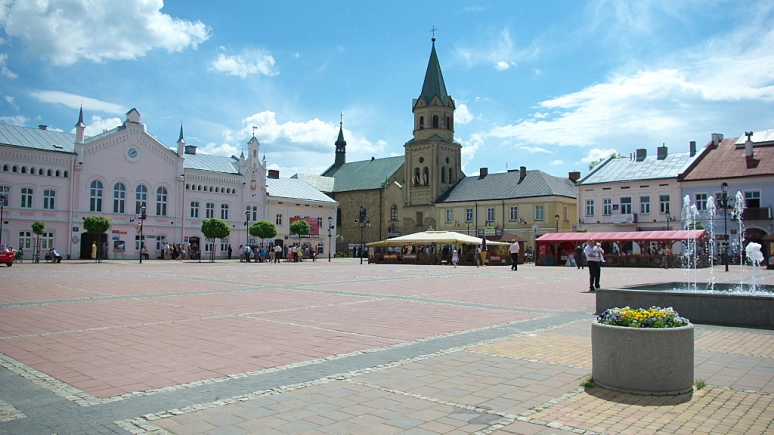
[341, 145]
[434, 84]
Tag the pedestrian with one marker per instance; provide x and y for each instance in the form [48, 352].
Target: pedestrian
[104, 250]
[478, 255]
[455, 258]
[514, 255]
[593, 257]
[667, 258]
[94, 250]
[229, 252]
[277, 253]
[579, 256]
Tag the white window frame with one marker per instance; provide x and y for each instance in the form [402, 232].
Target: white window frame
[449, 215]
[49, 199]
[626, 207]
[209, 210]
[26, 240]
[224, 212]
[645, 205]
[96, 189]
[468, 215]
[161, 201]
[194, 209]
[590, 208]
[664, 206]
[752, 195]
[224, 245]
[119, 198]
[514, 213]
[141, 199]
[700, 199]
[607, 206]
[539, 213]
[490, 212]
[278, 220]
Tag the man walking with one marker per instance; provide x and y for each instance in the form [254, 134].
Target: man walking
[514, 255]
[593, 258]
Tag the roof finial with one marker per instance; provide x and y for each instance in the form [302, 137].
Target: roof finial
[433, 30]
[254, 127]
[80, 118]
[341, 119]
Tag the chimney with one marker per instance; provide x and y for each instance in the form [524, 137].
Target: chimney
[574, 176]
[692, 147]
[190, 149]
[641, 154]
[483, 172]
[661, 152]
[273, 173]
[522, 172]
[748, 144]
[42, 127]
[716, 139]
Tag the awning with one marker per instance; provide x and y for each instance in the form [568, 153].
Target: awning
[505, 237]
[433, 238]
[624, 236]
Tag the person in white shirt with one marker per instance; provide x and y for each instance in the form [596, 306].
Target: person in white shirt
[514, 249]
[593, 258]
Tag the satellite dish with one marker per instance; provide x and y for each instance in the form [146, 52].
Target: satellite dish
[535, 227]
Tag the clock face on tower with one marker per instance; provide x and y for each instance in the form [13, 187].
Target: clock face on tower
[132, 154]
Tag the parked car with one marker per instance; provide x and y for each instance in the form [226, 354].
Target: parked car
[6, 255]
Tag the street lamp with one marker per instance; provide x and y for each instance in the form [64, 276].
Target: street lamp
[556, 218]
[724, 204]
[362, 222]
[247, 228]
[668, 218]
[142, 222]
[330, 227]
[3, 202]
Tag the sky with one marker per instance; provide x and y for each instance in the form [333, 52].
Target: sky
[550, 85]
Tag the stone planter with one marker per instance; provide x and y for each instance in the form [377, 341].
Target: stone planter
[647, 361]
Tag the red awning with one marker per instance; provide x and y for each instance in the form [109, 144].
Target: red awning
[628, 236]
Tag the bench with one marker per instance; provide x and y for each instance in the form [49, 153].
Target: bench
[52, 259]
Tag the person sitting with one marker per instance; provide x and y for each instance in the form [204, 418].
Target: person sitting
[144, 253]
[55, 257]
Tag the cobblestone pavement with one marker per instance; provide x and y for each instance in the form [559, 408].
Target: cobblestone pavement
[343, 348]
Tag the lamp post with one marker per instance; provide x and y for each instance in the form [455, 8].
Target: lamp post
[247, 228]
[556, 218]
[362, 222]
[330, 227]
[142, 222]
[468, 222]
[3, 201]
[668, 218]
[724, 201]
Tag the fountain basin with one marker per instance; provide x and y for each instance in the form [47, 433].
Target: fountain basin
[726, 308]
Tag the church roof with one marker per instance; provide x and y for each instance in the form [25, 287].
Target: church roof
[319, 182]
[433, 84]
[364, 175]
[507, 186]
[293, 188]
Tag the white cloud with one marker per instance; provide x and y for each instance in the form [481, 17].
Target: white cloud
[556, 162]
[3, 69]
[534, 150]
[66, 31]
[14, 120]
[223, 149]
[99, 125]
[248, 62]
[536, 71]
[500, 51]
[596, 154]
[462, 115]
[502, 66]
[75, 101]
[470, 148]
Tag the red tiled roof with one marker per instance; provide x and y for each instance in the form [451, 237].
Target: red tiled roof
[728, 161]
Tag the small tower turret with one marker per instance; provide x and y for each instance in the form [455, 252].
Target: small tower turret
[80, 130]
[341, 145]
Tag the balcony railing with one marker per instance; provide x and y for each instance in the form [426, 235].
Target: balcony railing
[756, 213]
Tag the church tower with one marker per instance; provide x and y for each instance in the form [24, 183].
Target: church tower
[341, 147]
[433, 160]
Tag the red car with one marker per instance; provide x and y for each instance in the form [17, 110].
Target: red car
[6, 255]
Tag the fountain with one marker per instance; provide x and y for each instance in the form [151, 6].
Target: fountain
[747, 304]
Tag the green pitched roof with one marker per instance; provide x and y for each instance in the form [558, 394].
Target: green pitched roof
[434, 84]
[364, 175]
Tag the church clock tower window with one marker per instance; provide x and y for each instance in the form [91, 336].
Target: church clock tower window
[421, 122]
[435, 121]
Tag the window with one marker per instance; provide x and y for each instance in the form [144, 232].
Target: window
[161, 201]
[514, 215]
[626, 205]
[416, 176]
[137, 242]
[224, 245]
[95, 196]
[46, 241]
[589, 207]
[25, 240]
[160, 241]
[421, 122]
[701, 201]
[119, 198]
[565, 214]
[490, 214]
[420, 218]
[141, 197]
[468, 215]
[448, 216]
[644, 205]
[752, 198]
[278, 219]
[209, 210]
[26, 197]
[195, 209]
[435, 121]
[224, 212]
[607, 206]
[5, 193]
[394, 212]
[451, 178]
[49, 197]
[663, 204]
[538, 212]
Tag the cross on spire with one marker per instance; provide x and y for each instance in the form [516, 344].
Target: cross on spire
[433, 31]
[341, 118]
[254, 127]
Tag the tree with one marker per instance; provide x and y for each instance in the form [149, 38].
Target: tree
[594, 164]
[263, 230]
[37, 227]
[300, 227]
[215, 229]
[97, 225]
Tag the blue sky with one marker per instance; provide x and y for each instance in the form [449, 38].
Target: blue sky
[549, 85]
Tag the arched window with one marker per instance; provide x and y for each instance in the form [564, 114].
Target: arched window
[448, 122]
[32, 171]
[394, 212]
[217, 190]
[416, 176]
[140, 198]
[24, 169]
[64, 174]
[451, 177]
[426, 176]
[119, 198]
[443, 174]
[40, 171]
[95, 196]
[48, 173]
[58, 174]
[14, 169]
[161, 201]
[5, 168]
[421, 122]
[435, 121]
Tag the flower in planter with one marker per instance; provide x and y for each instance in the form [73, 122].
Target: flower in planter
[655, 317]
